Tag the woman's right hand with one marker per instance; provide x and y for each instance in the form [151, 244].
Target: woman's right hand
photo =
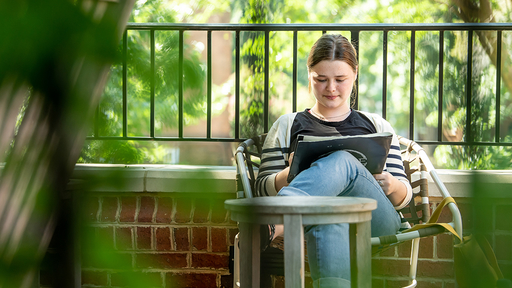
[282, 176]
[290, 159]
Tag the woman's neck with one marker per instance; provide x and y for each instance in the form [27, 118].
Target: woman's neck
[332, 115]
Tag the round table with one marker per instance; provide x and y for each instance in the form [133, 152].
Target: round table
[294, 212]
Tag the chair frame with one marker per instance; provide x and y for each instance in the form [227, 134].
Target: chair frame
[417, 167]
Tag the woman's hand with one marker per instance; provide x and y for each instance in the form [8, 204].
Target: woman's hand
[282, 176]
[290, 159]
[386, 181]
[392, 187]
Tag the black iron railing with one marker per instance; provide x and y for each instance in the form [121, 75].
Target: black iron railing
[354, 29]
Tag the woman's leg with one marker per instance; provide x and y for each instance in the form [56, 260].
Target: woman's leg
[339, 174]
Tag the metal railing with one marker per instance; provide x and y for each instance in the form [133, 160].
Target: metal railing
[354, 29]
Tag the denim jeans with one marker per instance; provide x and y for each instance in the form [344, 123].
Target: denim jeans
[339, 174]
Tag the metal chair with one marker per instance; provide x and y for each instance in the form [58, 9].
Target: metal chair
[417, 167]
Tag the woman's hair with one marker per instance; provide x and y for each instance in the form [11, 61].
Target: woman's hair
[333, 47]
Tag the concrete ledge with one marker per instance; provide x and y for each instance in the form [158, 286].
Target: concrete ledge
[221, 179]
[157, 178]
[460, 183]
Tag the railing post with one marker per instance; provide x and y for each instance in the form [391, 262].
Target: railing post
[440, 88]
[469, 135]
[354, 36]
[384, 72]
[411, 84]
[498, 86]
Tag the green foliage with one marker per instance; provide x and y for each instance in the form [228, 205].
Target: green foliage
[281, 71]
[139, 80]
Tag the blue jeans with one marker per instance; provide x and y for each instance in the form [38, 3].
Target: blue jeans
[339, 174]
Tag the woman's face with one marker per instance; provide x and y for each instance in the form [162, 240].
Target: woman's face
[332, 83]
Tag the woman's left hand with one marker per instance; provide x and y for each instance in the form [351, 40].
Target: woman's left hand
[387, 182]
[392, 187]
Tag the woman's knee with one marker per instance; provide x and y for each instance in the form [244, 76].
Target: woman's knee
[341, 159]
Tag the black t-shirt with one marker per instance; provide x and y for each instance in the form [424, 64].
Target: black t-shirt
[307, 124]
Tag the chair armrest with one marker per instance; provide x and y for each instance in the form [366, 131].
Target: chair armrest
[241, 169]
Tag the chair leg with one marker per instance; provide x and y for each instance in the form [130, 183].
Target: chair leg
[415, 248]
[236, 264]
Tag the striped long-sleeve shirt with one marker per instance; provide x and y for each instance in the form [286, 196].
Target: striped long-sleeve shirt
[281, 138]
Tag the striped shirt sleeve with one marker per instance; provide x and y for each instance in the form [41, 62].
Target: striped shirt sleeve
[395, 167]
[274, 157]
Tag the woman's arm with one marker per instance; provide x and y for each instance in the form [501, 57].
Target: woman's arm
[281, 179]
[273, 159]
[395, 189]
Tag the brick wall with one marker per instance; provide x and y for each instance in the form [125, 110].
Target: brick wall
[166, 240]
[162, 237]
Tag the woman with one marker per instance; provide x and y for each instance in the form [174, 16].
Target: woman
[332, 71]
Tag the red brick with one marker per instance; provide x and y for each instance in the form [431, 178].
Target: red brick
[163, 239]
[219, 241]
[90, 208]
[205, 260]
[105, 237]
[147, 207]
[183, 210]
[446, 215]
[404, 249]
[181, 239]
[144, 238]
[503, 249]
[201, 210]
[128, 209]
[200, 238]
[445, 246]
[390, 267]
[449, 284]
[385, 252]
[435, 269]
[94, 278]
[191, 280]
[124, 238]
[219, 213]
[164, 212]
[161, 260]
[136, 279]
[109, 209]
[426, 247]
